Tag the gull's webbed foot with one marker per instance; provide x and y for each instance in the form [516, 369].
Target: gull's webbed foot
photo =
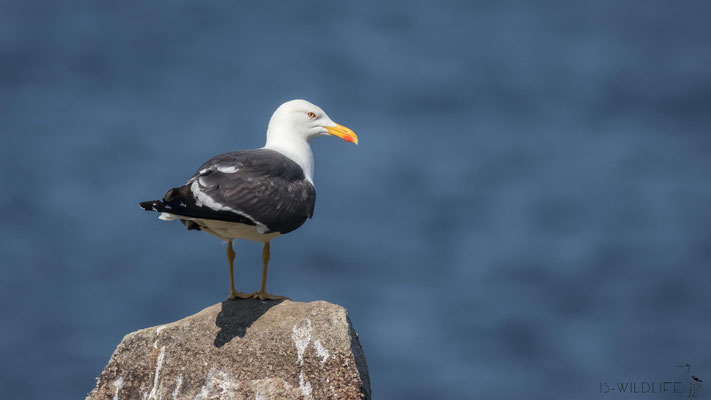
[267, 296]
[234, 295]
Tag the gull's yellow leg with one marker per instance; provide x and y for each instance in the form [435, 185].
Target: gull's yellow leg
[263, 295]
[266, 255]
[231, 259]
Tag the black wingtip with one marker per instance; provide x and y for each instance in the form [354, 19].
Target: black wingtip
[152, 205]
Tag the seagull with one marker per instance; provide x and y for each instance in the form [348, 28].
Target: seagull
[258, 194]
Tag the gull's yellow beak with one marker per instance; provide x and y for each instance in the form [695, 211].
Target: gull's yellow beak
[343, 133]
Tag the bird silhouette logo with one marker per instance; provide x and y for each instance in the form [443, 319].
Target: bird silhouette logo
[693, 381]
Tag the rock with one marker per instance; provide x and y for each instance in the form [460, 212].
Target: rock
[243, 349]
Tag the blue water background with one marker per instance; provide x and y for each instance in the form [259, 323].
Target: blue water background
[528, 213]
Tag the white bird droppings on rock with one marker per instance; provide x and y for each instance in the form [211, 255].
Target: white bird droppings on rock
[301, 334]
[321, 351]
[158, 330]
[154, 395]
[118, 384]
[178, 383]
[305, 386]
[218, 383]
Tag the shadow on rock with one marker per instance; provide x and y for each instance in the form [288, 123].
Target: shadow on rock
[238, 315]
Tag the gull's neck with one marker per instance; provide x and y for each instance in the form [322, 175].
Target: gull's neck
[295, 148]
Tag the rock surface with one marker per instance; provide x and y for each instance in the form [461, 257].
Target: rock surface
[243, 349]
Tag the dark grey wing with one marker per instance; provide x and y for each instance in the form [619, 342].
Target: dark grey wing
[260, 187]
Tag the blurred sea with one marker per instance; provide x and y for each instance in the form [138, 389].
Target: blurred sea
[527, 215]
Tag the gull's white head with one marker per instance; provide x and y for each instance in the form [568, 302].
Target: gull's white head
[301, 120]
[296, 122]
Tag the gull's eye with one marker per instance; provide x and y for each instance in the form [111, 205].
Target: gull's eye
[311, 114]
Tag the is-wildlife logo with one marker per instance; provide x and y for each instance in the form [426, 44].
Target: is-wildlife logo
[690, 385]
